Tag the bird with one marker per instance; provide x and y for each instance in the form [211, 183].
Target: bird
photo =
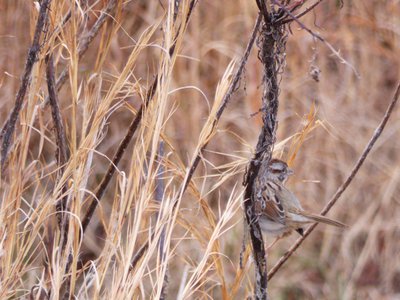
[278, 210]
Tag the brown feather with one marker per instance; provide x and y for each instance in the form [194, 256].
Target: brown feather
[321, 219]
[272, 211]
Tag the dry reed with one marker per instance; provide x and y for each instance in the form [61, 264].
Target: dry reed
[110, 58]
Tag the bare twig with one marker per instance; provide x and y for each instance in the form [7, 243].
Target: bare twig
[320, 38]
[232, 88]
[62, 147]
[9, 126]
[303, 13]
[262, 7]
[62, 151]
[66, 18]
[344, 186]
[117, 158]
[139, 254]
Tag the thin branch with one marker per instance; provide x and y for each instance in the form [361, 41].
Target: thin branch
[117, 158]
[66, 18]
[263, 10]
[62, 147]
[232, 88]
[87, 38]
[306, 11]
[61, 141]
[9, 126]
[320, 38]
[344, 186]
[84, 41]
[139, 254]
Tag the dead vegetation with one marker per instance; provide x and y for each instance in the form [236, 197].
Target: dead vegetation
[122, 178]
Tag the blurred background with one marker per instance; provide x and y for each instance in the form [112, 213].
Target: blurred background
[362, 262]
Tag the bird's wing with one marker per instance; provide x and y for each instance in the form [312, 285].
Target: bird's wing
[273, 209]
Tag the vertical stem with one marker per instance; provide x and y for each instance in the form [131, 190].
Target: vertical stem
[9, 126]
[62, 148]
[159, 197]
[272, 46]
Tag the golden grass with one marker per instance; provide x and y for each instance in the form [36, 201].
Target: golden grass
[323, 127]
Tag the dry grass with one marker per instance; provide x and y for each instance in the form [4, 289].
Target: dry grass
[202, 227]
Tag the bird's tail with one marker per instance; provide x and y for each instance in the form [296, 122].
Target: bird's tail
[322, 219]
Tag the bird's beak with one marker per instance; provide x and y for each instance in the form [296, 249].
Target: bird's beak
[290, 172]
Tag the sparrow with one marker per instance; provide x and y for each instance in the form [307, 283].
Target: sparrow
[278, 210]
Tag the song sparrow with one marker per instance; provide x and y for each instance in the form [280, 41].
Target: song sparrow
[278, 209]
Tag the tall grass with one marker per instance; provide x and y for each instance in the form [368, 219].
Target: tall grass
[184, 64]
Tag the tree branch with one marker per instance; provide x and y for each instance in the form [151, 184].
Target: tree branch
[272, 43]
